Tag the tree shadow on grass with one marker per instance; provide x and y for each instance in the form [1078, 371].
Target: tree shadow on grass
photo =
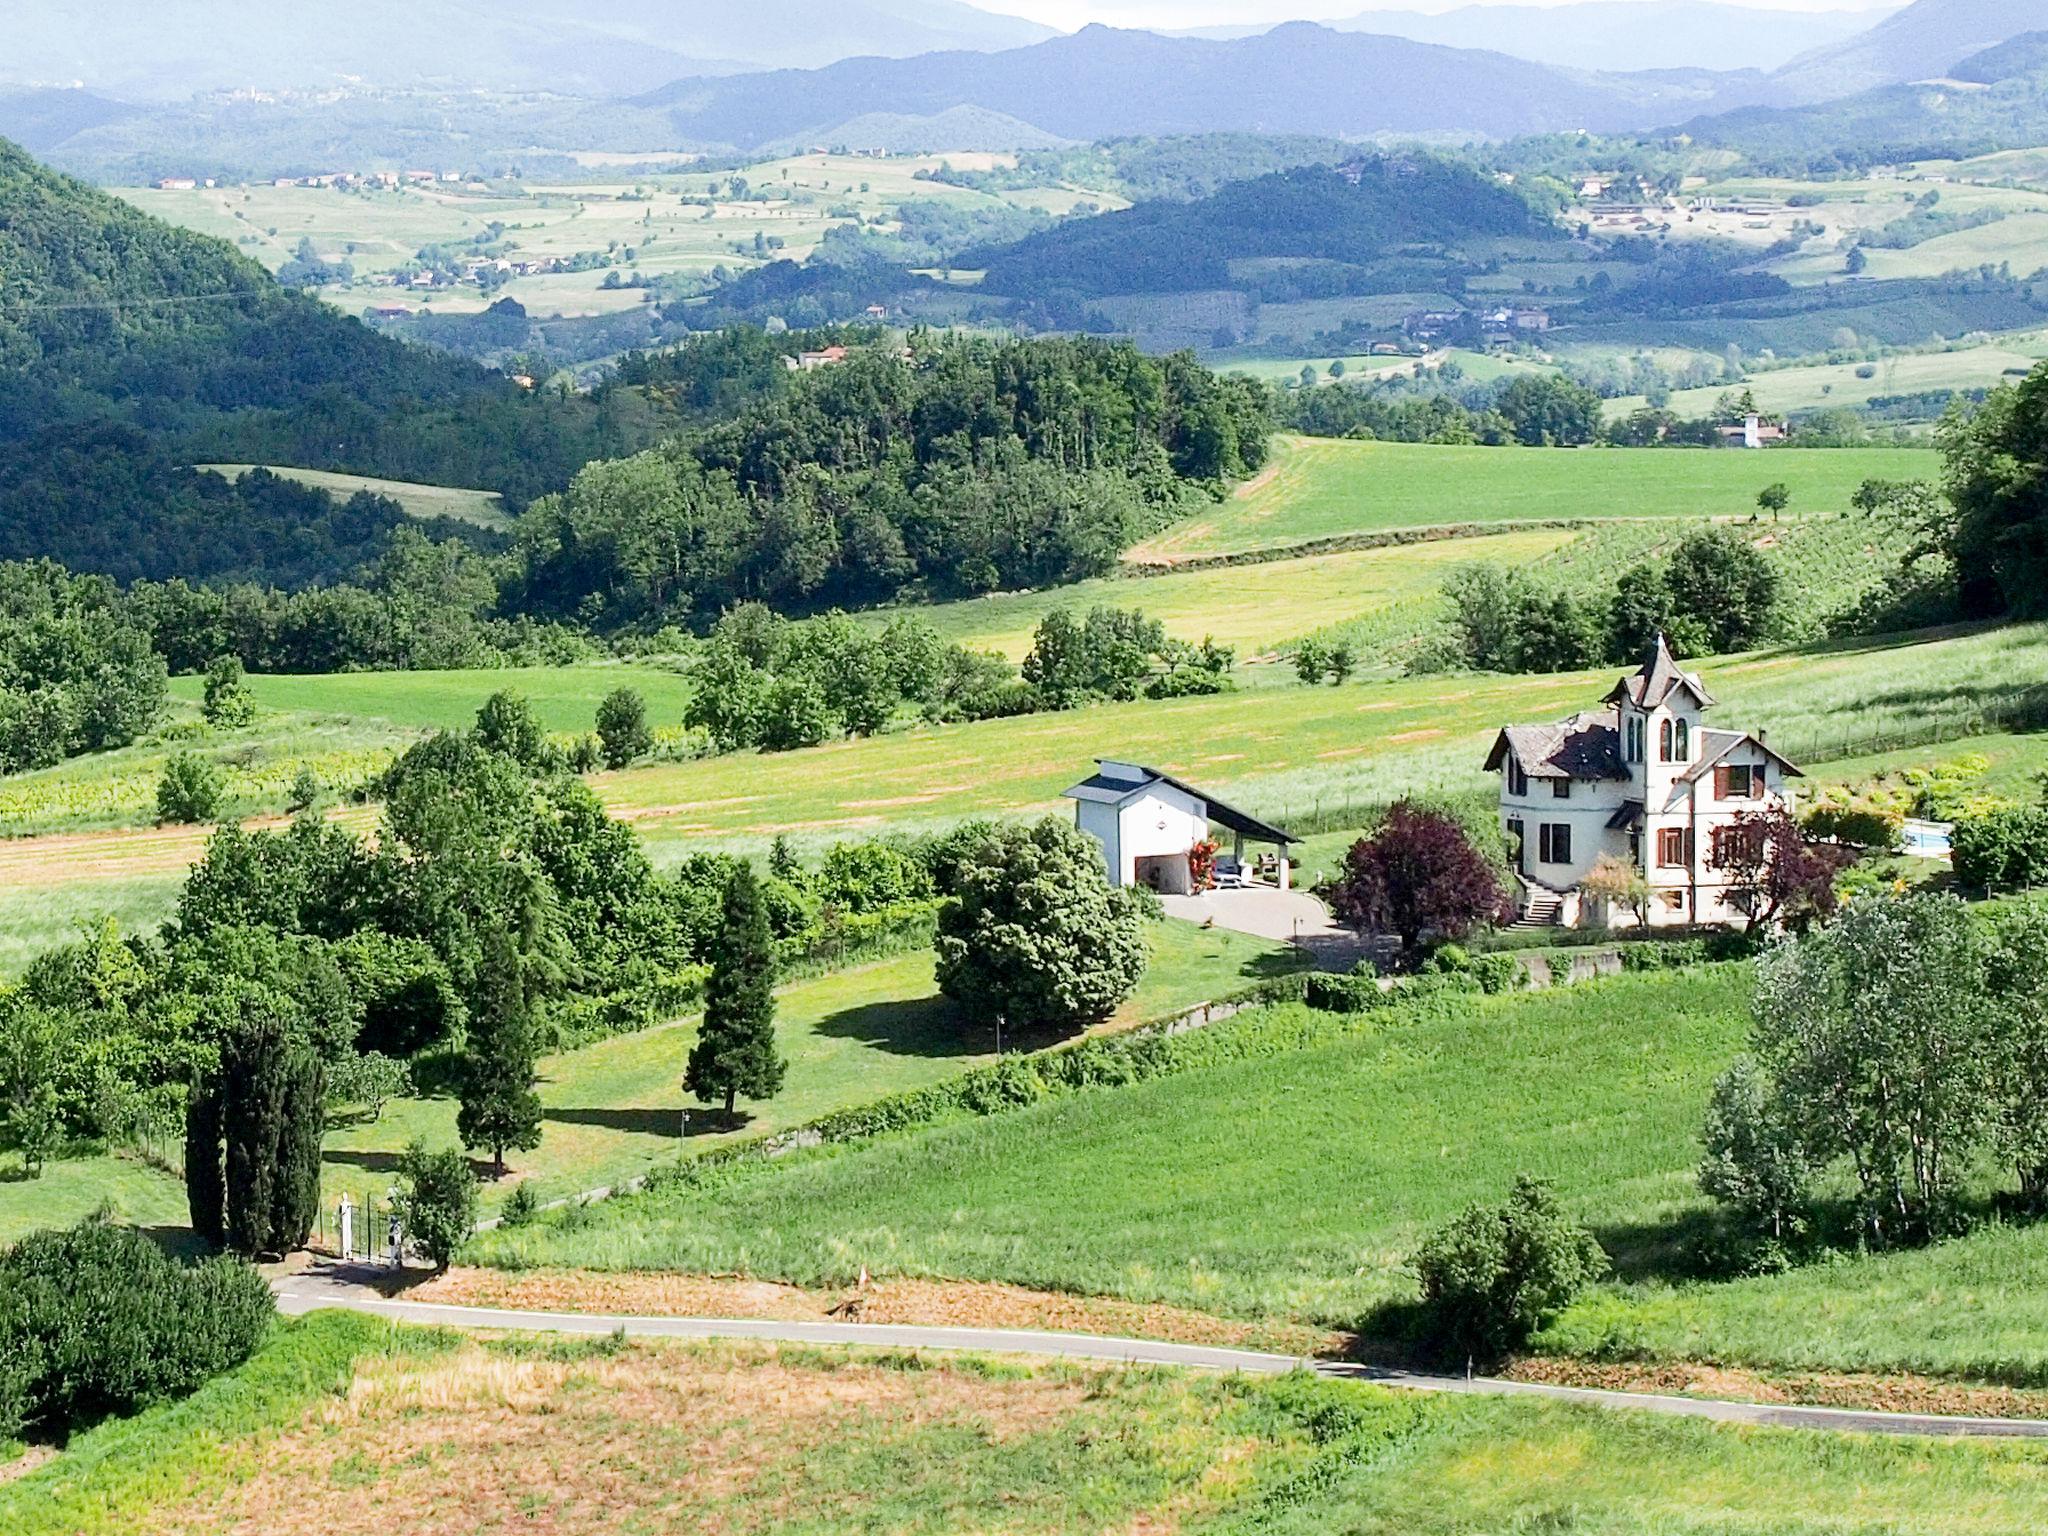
[369, 1162]
[927, 1026]
[713, 1121]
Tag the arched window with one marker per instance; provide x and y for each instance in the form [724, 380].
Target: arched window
[1664, 741]
[1684, 743]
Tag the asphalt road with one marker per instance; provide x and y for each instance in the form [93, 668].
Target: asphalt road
[297, 1294]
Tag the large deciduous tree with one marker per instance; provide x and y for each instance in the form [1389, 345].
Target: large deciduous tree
[1035, 935]
[735, 1049]
[1419, 876]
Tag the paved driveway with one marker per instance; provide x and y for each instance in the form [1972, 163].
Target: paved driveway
[1287, 917]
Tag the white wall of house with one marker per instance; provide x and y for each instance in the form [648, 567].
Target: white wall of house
[1161, 822]
[1585, 811]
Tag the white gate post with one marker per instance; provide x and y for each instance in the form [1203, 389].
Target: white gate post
[346, 1219]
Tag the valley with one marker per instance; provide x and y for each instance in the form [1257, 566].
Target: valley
[809, 770]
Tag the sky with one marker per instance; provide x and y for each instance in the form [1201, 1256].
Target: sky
[1169, 14]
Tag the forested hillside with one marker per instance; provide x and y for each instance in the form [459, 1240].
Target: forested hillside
[1350, 214]
[163, 348]
[964, 466]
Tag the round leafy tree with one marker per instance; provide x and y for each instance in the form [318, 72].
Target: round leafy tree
[1035, 934]
[1420, 876]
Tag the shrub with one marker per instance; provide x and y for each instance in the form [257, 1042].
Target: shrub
[2006, 848]
[1754, 1158]
[622, 727]
[1862, 824]
[1495, 1274]
[1342, 994]
[521, 1206]
[228, 701]
[190, 791]
[97, 1321]
[436, 1201]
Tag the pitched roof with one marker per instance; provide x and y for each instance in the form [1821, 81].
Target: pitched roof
[1654, 682]
[1587, 746]
[1715, 745]
[1109, 788]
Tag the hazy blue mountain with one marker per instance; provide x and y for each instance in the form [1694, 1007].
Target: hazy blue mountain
[1615, 34]
[1922, 42]
[170, 49]
[1101, 82]
[1994, 100]
[40, 119]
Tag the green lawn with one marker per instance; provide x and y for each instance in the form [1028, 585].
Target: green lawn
[73, 1188]
[1320, 488]
[1254, 607]
[563, 698]
[409, 1426]
[615, 1107]
[33, 918]
[1295, 1186]
[484, 508]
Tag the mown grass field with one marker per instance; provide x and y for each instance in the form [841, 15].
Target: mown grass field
[1827, 385]
[563, 698]
[1295, 1186]
[407, 1427]
[1320, 488]
[614, 1107]
[1298, 1186]
[1284, 752]
[484, 508]
[1256, 608]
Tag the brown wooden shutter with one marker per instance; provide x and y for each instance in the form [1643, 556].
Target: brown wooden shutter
[1720, 781]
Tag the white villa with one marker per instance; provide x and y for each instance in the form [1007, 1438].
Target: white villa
[1149, 823]
[1643, 780]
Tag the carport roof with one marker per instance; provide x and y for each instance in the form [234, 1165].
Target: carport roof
[1114, 789]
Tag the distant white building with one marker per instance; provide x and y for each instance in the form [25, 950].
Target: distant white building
[1149, 823]
[1644, 780]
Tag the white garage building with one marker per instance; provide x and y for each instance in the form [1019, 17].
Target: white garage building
[1149, 822]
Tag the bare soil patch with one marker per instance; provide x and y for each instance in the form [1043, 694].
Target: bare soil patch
[1814, 1389]
[927, 1303]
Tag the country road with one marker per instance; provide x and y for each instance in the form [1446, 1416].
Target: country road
[308, 1292]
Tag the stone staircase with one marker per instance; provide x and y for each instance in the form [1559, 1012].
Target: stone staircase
[1541, 909]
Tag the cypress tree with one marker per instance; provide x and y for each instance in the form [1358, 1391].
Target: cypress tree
[735, 1049]
[500, 1110]
[205, 1184]
[253, 1073]
[297, 1201]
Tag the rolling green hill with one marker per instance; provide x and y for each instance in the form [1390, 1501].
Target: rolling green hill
[1331, 488]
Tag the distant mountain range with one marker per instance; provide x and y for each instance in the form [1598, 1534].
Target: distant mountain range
[172, 49]
[1101, 81]
[1921, 42]
[1614, 34]
[1997, 99]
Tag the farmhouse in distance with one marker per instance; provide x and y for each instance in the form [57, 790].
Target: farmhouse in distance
[1643, 780]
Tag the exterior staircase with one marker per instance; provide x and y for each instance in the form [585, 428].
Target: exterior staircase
[1540, 909]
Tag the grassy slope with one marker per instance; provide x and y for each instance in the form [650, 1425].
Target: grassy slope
[484, 508]
[403, 1426]
[615, 1107]
[563, 698]
[1294, 1186]
[1321, 488]
[75, 1187]
[1254, 607]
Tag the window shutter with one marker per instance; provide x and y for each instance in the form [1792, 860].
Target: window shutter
[1721, 781]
